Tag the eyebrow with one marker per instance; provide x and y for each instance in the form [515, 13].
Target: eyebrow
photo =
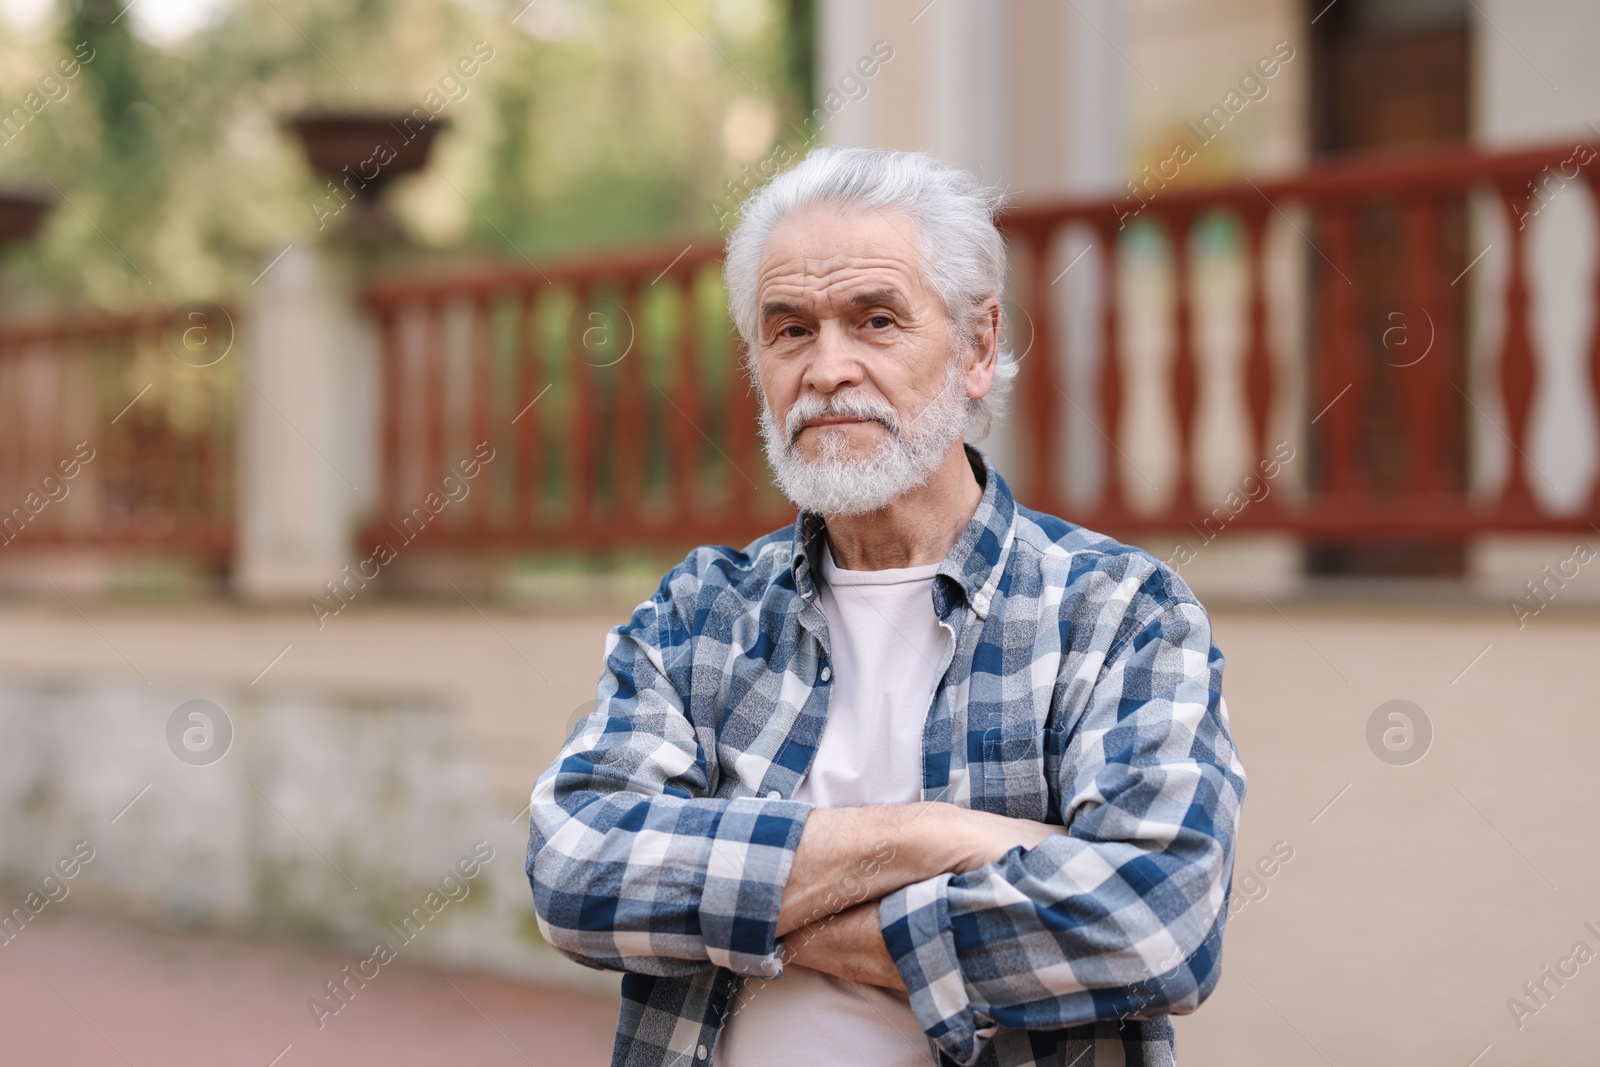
[774, 308]
[886, 297]
[889, 298]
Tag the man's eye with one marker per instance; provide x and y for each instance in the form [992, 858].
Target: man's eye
[792, 331]
[880, 322]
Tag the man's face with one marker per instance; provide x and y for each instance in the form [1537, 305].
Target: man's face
[844, 308]
[864, 380]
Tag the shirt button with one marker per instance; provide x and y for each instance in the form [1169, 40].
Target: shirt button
[805, 594]
[774, 795]
[981, 601]
[826, 673]
[700, 1053]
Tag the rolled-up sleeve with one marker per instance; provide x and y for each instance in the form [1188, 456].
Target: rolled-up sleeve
[1122, 916]
[634, 865]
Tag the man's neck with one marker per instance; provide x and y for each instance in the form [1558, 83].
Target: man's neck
[917, 529]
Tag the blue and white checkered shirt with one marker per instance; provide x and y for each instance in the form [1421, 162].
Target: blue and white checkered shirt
[1082, 688]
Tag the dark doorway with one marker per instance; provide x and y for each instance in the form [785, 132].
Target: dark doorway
[1391, 75]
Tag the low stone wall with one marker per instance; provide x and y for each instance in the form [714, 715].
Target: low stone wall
[344, 818]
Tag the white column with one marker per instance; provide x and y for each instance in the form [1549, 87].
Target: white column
[1095, 89]
[1093, 133]
[844, 35]
[307, 427]
[965, 83]
[946, 89]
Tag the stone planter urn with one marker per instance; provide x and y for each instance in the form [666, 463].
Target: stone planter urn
[21, 215]
[357, 154]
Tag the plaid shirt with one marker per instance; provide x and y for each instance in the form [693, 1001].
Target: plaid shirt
[1081, 688]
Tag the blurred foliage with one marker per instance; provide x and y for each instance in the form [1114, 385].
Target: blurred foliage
[593, 122]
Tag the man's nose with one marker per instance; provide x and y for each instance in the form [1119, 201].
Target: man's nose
[834, 363]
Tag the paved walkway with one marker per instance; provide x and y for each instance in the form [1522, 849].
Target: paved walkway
[90, 991]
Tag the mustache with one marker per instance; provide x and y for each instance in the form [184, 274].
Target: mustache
[839, 405]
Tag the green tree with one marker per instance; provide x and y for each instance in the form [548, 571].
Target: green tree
[594, 123]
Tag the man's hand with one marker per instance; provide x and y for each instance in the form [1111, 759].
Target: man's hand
[847, 945]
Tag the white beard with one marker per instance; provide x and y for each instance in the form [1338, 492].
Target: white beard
[836, 483]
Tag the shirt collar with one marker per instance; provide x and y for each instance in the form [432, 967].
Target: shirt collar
[973, 564]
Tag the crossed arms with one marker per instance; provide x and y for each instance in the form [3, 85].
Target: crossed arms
[869, 852]
[984, 921]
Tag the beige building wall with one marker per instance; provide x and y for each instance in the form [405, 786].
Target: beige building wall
[1185, 56]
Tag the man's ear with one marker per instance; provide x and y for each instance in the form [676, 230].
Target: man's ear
[983, 353]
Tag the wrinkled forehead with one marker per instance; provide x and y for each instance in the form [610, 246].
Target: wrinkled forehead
[825, 255]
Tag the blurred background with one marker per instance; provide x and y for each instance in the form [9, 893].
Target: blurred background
[362, 363]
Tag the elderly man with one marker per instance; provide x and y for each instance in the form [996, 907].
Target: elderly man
[927, 776]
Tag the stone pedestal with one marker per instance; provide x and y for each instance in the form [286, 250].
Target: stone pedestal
[308, 455]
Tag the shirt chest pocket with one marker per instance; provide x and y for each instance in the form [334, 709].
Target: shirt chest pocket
[1018, 772]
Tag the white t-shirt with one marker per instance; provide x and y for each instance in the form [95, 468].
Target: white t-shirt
[885, 646]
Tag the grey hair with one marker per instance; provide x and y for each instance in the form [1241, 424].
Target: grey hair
[963, 252]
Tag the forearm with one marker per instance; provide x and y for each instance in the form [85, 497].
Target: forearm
[680, 882]
[851, 855]
[1062, 934]
[854, 855]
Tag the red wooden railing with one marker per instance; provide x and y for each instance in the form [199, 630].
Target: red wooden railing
[108, 440]
[607, 388]
[1382, 238]
[611, 392]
